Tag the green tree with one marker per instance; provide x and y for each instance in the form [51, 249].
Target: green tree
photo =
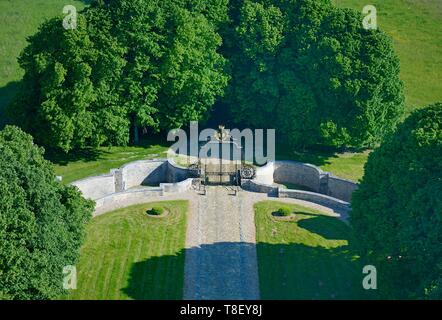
[139, 63]
[42, 222]
[312, 71]
[397, 210]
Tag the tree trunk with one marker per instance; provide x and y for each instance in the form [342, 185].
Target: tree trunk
[136, 135]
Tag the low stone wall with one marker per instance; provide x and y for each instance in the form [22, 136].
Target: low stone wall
[341, 188]
[177, 187]
[152, 172]
[119, 188]
[124, 199]
[315, 198]
[255, 186]
[264, 175]
[138, 173]
[96, 187]
[304, 175]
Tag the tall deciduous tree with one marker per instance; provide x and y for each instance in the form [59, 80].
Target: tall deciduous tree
[139, 63]
[42, 222]
[397, 211]
[312, 71]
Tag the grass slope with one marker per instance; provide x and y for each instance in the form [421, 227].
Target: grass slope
[129, 255]
[94, 162]
[307, 258]
[416, 29]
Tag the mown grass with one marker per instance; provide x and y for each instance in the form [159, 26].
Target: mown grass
[130, 255]
[416, 29]
[91, 162]
[310, 257]
[347, 165]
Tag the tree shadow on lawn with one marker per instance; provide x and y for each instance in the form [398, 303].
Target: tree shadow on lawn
[7, 93]
[85, 154]
[286, 271]
[330, 228]
[296, 271]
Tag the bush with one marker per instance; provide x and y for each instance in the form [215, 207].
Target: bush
[397, 210]
[155, 211]
[284, 211]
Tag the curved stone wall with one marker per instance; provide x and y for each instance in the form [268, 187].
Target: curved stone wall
[123, 186]
[142, 172]
[301, 174]
[341, 188]
[318, 198]
[131, 175]
[96, 187]
[123, 199]
[290, 172]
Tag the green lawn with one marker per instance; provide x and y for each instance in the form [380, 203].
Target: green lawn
[309, 257]
[416, 28]
[129, 255]
[347, 165]
[94, 162]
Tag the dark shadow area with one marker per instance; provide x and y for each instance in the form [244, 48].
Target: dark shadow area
[158, 278]
[226, 271]
[85, 154]
[296, 271]
[328, 227]
[7, 93]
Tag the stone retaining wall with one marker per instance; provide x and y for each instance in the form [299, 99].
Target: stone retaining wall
[303, 175]
[120, 187]
[124, 199]
[315, 198]
[96, 187]
[138, 173]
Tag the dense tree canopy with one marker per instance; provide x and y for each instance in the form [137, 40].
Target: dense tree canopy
[305, 67]
[397, 211]
[41, 221]
[128, 62]
[312, 71]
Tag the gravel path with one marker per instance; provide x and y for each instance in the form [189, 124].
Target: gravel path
[221, 260]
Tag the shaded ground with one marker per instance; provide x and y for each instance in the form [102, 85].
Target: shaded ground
[309, 257]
